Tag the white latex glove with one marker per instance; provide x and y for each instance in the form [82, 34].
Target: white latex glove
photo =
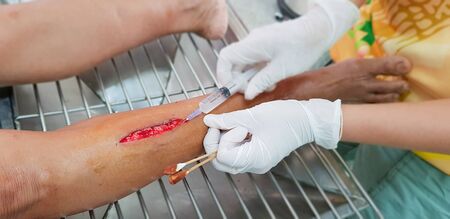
[277, 128]
[287, 48]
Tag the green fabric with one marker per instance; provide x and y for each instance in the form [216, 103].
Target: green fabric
[347, 150]
[401, 184]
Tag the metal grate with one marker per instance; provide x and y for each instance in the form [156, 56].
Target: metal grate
[310, 183]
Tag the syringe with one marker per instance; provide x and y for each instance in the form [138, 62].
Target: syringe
[219, 96]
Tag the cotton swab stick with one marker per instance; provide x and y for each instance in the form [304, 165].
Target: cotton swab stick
[174, 168]
[175, 178]
[210, 158]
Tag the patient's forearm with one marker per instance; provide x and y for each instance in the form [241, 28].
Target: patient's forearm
[416, 126]
[52, 39]
[84, 166]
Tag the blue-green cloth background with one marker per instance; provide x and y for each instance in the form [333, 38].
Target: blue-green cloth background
[400, 183]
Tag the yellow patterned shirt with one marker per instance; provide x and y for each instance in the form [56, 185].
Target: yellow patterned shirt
[416, 29]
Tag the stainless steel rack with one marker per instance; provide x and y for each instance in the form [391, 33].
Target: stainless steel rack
[310, 183]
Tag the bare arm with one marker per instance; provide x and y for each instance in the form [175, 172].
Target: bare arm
[421, 126]
[41, 172]
[52, 39]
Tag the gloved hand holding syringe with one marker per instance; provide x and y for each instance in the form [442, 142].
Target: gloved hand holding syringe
[213, 100]
[175, 172]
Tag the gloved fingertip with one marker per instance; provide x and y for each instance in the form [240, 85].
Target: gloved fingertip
[251, 93]
[209, 120]
[220, 121]
[213, 131]
[271, 88]
[210, 148]
[211, 140]
[235, 135]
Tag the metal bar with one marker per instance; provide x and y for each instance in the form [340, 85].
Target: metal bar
[191, 196]
[143, 205]
[333, 174]
[16, 110]
[125, 92]
[200, 54]
[91, 214]
[98, 106]
[167, 199]
[155, 70]
[241, 201]
[358, 184]
[63, 103]
[102, 87]
[118, 210]
[189, 64]
[141, 82]
[213, 193]
[216, 53]
[57, 113]
[300, 188]
[316, 183]
[83, 98]
[105, 215]
[261, 196]
[286, 200]
[172, 67]
[39, 106]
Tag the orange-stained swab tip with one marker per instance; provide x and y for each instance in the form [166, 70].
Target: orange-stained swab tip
[170, 170]
[177, 177]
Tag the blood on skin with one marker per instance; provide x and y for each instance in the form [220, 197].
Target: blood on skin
[172, 169]
[153, 131]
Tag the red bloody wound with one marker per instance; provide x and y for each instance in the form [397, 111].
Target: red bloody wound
[172, 169]
[153, 130]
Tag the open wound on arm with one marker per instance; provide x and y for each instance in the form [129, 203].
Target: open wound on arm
[153, 131]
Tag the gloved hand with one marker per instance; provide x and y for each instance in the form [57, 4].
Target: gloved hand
[277, 128]
[287, 48]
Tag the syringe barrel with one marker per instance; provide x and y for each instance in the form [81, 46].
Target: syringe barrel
[214, 99]
[240, 82]
[221, 95]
